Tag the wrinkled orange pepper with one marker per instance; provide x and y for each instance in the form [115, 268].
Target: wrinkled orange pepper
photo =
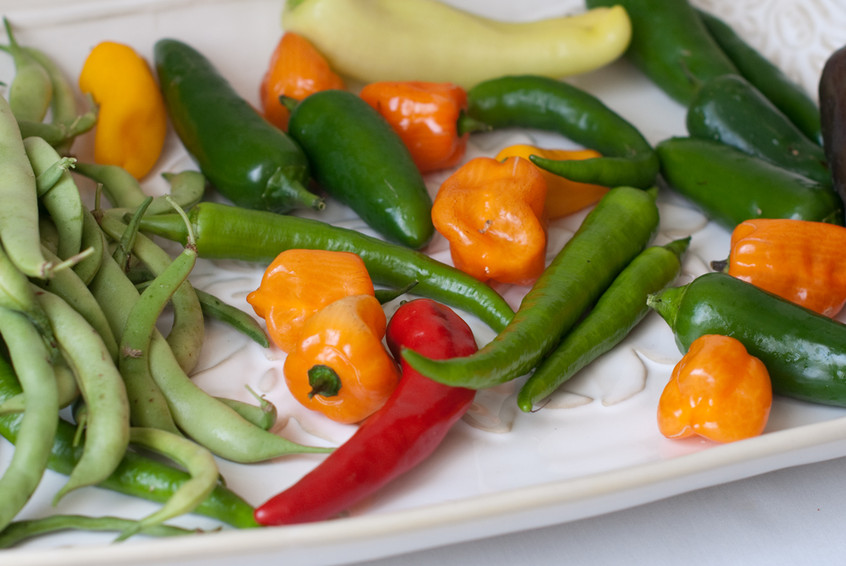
[799, 260]
[340, 367]
[300, 282]
[563, 196]
[426, 116]
[491, 212]
[296, 70]
[718, 391]
[132, 118]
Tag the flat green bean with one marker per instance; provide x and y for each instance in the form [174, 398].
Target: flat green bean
[31, 90]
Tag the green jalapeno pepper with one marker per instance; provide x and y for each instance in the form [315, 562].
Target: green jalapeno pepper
[781, 90]
[227, 232]
[531, 101]
[805, 352]
[671, 45]
[248, 160]
[612, 234]
[731, 186]
[833, 117]
[358, 158]
[731, 110]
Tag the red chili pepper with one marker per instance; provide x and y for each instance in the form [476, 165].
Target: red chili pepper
[400, 435]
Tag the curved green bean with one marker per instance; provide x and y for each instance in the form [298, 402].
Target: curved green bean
[31, 90]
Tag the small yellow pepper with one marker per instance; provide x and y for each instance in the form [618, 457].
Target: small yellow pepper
[300, 282]
[132, 118]
[491, 212]
[563, 196]
[340, 367]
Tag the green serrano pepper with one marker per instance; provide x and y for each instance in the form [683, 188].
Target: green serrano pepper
[137, 475]
[781, 90]
[804, 352]
[671, 45]
[227, 232]
[612, 234]
[731, 186]
[530, 101]
[358, 158]
[615, 314]
[731, 110]
[248, 160]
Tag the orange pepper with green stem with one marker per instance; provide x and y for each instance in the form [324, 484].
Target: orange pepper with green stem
[718, 391]
[563, 196]
[300, 282]
[340, 366]
[132, 118]
[799, 260]
[296, 70]
[429, 118]
[491, 212]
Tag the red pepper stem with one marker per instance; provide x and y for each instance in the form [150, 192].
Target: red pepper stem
[323, 381]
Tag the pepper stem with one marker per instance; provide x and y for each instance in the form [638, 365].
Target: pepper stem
[467, 124]
[323, 381]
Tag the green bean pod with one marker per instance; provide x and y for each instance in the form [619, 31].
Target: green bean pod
[619, 310]
[731, 186]
[358, 158]
[729, 109]
[31, 90]
[136, 475]
[227, 232]
[247, 159]
[788, 96]
[530, 101]
[612, 234]
[671, 45]
[804, 352]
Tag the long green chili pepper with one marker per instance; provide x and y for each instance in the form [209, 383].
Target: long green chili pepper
[530, 101]
[31, 89]
[136, 475]
[804, 352]
[31, 361]
[787, 95]
[620, 308]
[611, 235]
[671, 45]
[19, 531]
[228, 232]
[731, 186]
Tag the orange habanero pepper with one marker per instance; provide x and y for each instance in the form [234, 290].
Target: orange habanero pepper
[429, 118]
[491, 212]
[300, 282]
[340, 367]
[718, 391]
[563, 196]
[296, 70]
[131, 117]
[799, 260]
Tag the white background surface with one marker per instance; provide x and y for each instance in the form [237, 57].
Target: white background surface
[792, 515]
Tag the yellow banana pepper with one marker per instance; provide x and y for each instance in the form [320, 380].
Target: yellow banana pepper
[132, 118]
[427, 40]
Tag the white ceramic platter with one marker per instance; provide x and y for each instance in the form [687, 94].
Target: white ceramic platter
[594, 449]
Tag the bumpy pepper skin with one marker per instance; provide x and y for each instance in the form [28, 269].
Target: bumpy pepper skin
[833, 117]
[399, 436]
[296, 70]
[300, 282]
[491, 212]
[563, 196]
[426, 116]
[427, 40]
[132, 119]
[717, 391]
[340, 367]
[798, 260]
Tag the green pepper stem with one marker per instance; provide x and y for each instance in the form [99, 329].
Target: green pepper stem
[324, 381]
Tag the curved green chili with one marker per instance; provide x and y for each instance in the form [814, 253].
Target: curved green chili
[611, 235]
[805, 353]
[228, 232]
[620, 308]
[530, 101]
